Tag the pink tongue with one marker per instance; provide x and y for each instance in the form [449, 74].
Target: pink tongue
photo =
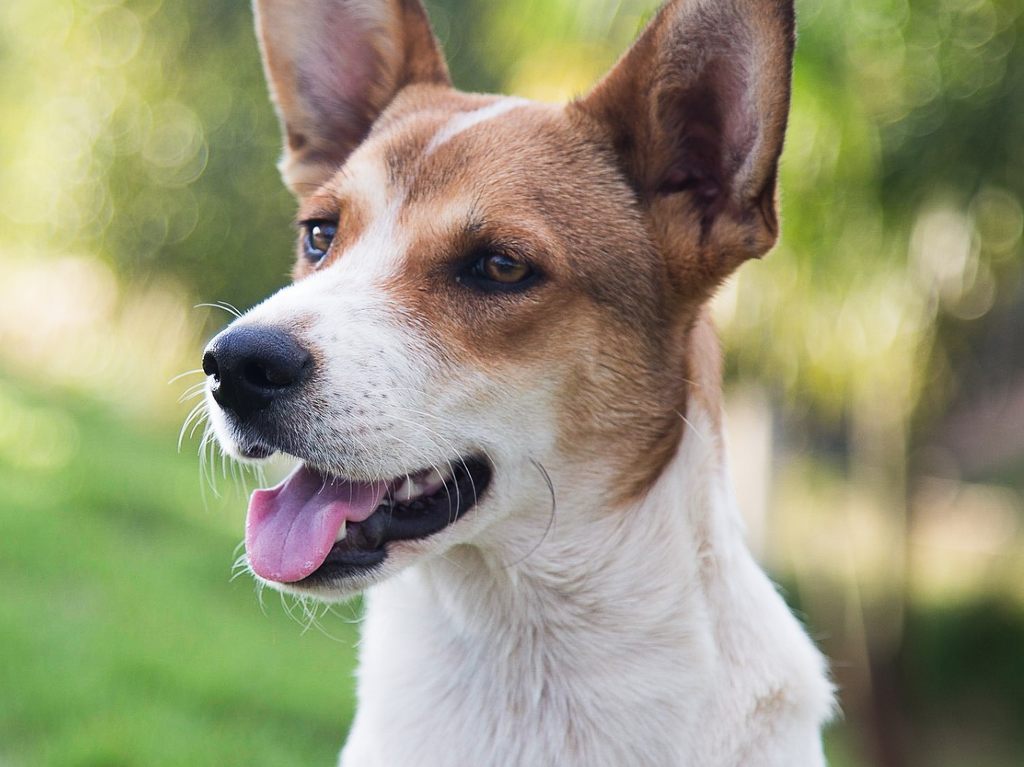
[291, 528]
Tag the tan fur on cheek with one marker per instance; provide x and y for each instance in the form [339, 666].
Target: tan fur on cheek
[629, 401]
[704, 367]
[619, 408]
[487, 332]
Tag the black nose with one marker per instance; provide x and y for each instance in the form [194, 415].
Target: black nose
[251, 366]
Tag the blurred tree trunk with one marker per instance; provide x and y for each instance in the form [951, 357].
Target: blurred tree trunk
[879, 448]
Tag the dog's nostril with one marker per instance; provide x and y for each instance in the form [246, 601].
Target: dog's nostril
[267, 376]
[210, 366]
[281, 376]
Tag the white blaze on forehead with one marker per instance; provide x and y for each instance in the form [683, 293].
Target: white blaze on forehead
[378, 251]
[371, 174]
[466, 120]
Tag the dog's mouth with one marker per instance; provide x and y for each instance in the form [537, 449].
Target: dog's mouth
[316, 526]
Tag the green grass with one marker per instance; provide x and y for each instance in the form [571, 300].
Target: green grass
[123, 640]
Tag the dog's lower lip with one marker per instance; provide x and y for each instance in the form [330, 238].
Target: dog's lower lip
[365, 545]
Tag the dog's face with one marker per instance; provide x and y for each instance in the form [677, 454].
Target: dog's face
[488, 292]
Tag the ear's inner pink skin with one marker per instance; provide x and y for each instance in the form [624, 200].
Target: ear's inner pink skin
[291, 528]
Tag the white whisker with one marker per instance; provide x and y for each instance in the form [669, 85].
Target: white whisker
[187, 373]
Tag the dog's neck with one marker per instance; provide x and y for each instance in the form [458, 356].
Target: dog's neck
[642, 635]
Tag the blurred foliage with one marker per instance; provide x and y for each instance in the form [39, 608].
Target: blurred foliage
[964, 677]
[141, 131]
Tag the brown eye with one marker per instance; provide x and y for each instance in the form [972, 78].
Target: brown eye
[503, 269]
[497, 271]
[319, 236]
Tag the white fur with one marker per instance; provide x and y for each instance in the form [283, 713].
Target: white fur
[466, 120]
[634, 636]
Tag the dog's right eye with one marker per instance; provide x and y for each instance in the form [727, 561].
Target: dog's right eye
[497, 272]
[318, 238]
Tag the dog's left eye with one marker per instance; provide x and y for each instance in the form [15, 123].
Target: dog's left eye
[495, 271]
[318, 239]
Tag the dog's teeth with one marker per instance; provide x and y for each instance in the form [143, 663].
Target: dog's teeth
[426, 483]
[407, 491]
[341, 532]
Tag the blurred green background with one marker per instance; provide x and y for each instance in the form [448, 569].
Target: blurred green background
[875, 373]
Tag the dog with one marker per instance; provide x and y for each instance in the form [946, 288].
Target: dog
[496, 369]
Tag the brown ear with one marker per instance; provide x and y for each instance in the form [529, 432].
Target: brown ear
[697, 112]
[333, 66]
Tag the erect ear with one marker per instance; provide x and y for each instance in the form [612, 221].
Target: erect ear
[697, 111]
[333, 66]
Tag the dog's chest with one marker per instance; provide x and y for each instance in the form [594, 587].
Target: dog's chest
[523, 696]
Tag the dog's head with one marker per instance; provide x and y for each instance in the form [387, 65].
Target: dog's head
[488, 292]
